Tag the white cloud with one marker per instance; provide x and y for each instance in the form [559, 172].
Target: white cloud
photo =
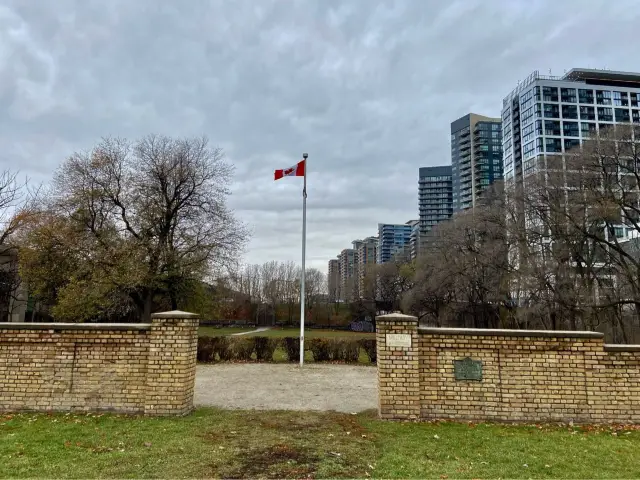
[368, 88]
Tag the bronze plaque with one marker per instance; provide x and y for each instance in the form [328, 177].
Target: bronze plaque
[468, 369]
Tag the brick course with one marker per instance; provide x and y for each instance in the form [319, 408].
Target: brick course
[527, 376]
[126, 368]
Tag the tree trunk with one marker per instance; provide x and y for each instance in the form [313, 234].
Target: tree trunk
[146, 312]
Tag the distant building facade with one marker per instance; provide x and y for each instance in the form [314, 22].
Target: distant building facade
[333, 280]
[392, 239]
[347, 268]
[435, 202]
[476, 158]
[366, 255]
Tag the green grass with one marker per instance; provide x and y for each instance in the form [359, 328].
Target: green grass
[237, 444]
[284, 332]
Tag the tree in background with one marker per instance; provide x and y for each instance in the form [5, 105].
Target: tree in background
[273, 291]
[16, 209]
[142, 223]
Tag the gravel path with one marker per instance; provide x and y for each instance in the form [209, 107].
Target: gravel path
[342, 388]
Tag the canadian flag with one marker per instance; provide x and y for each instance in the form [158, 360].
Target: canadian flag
[296, 171]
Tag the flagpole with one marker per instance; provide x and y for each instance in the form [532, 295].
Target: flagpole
[304, 243]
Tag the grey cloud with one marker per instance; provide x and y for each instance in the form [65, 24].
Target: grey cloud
[368, 88]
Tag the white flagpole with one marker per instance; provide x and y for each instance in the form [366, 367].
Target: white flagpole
[304, 242]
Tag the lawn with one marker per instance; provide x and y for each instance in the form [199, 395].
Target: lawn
[285, 332]
[236, 444]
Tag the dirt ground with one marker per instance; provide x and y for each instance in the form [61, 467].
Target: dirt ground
[341, 388]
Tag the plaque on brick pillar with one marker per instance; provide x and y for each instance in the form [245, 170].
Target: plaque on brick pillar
[468, 369]
[398, 340]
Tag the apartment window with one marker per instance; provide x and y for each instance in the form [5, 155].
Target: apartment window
[605, 114]
[568, 95]
[550, 94]
[551, 111]
[622, 115]
[621, 99]
[603, 97]
[634, 99]
[585, 96]
[538, 127]
[570, 143]
[588, 129]
[570, 129]
[528, 149]
[551, 127]
[536, 94]
[552, 145]
[570, 111]
[587, 113]
[528, 113]
[635, 116]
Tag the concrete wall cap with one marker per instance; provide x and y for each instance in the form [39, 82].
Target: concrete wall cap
[175, 314]
[396, 316]
[73, 326]
[509, 333]
[611, 347]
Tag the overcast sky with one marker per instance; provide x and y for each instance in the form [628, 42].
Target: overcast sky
[367, 87]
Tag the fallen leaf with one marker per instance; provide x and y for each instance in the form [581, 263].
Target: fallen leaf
[147, 444]
[525, 465]
[436, 437]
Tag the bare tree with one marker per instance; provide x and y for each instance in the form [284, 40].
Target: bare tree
[17, 207]
[152, 217]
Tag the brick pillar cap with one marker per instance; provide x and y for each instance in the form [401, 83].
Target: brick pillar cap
[175, 314]
[401, 317]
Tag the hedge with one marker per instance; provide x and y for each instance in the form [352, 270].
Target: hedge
[262, 349]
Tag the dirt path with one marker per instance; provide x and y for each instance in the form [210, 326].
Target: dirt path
[343, 388]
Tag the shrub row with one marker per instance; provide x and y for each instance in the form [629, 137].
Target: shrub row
[261, 349]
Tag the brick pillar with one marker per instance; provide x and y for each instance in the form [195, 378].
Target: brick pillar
[171, 369]
[398, 367]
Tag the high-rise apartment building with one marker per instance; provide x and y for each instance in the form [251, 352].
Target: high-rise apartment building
[347, 268]
[435, 198]
[414, 239]
[476, 158]
[366, 255]
[333, 280]
[392, 239]
[546, 116]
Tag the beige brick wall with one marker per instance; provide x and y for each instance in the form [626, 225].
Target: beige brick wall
[126, 368]
[527, 376]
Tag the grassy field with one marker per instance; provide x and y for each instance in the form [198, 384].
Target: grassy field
[286, 332]
[215, 443]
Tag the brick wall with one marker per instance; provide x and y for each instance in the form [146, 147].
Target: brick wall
[526, 376]
[126, 368]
